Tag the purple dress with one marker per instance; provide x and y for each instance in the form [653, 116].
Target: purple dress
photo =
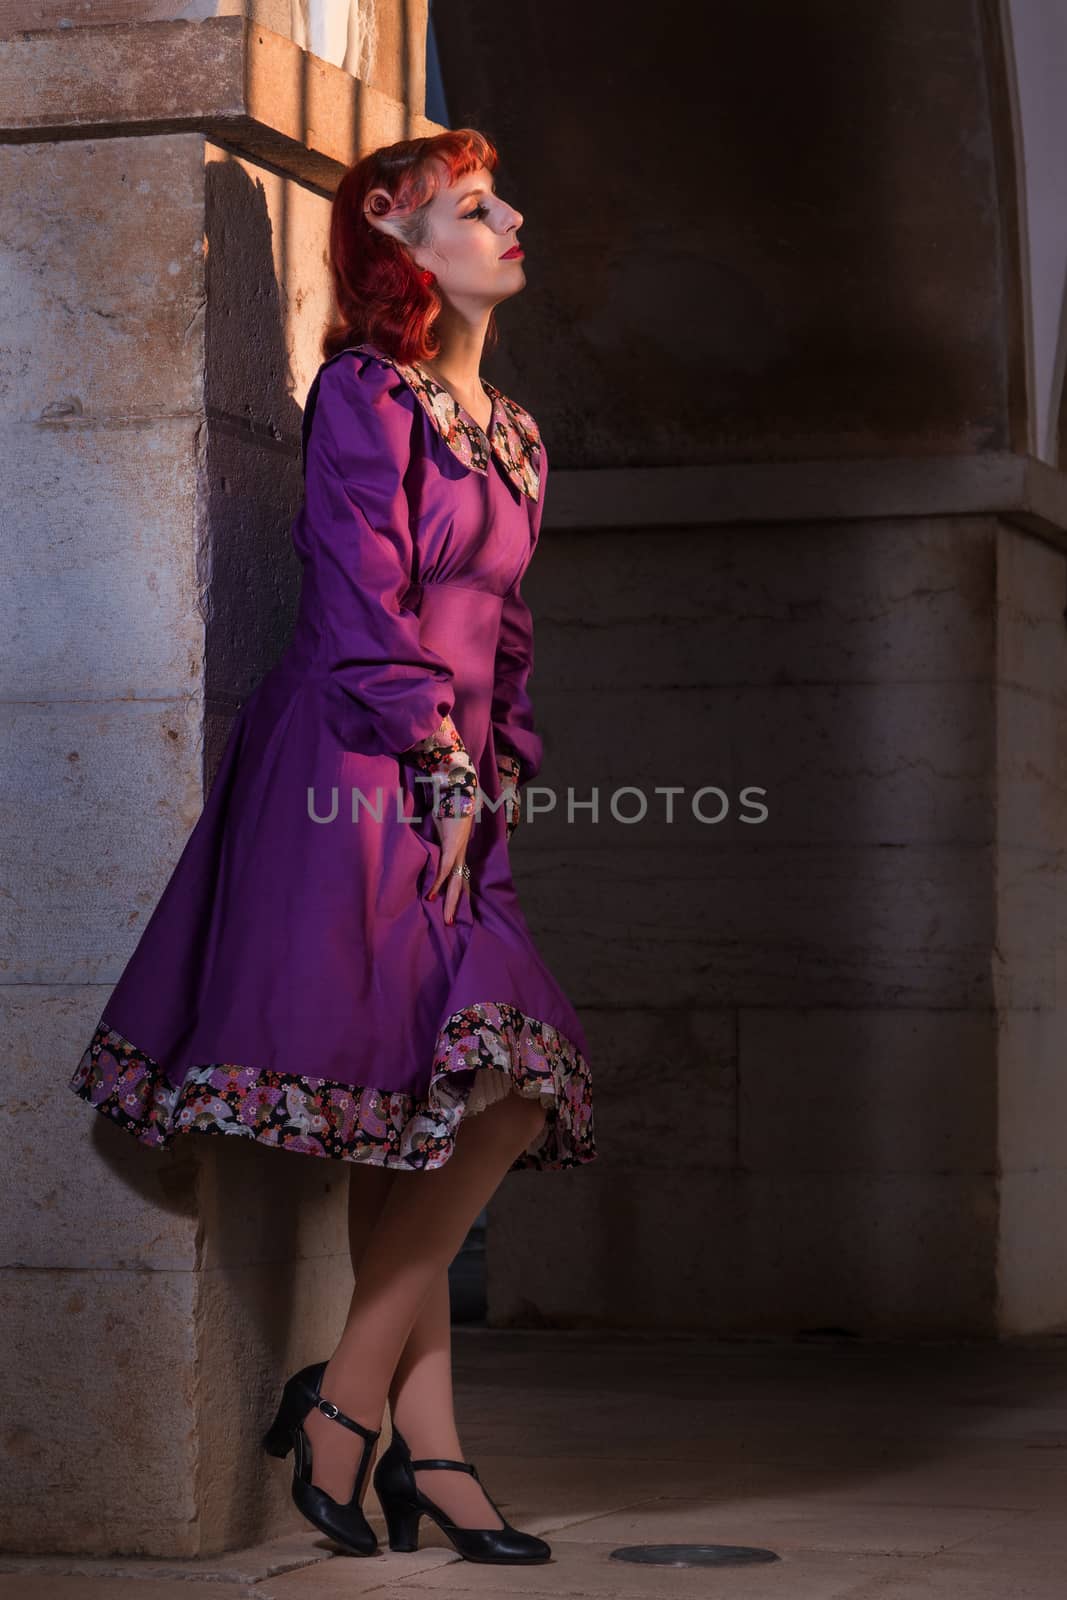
[293, 984]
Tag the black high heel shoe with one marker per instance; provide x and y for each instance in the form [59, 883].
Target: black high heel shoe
[345, 1524]
[403, 1503]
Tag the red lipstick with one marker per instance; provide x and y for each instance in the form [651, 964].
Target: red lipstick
[513, 254]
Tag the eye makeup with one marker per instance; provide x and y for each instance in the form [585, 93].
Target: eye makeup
[471, 193]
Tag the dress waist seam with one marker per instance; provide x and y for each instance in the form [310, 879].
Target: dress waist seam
[469, 588]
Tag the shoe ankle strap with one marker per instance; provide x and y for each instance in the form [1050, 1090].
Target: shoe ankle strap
[328, 1409]
[438, 1461]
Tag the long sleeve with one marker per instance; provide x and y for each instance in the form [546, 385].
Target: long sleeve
[512, 709]
[356, 542]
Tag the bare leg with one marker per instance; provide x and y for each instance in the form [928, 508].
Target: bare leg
[422, 1406]
[423, 1220]
[368, 1189]
[420, 1396]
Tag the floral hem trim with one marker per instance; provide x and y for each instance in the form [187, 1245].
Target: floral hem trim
[384, 1128]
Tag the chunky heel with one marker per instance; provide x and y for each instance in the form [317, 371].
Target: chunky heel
[279, 1437]
[403, 1503]
[344, 1522]
[402, 1522]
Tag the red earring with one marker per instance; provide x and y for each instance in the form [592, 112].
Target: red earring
[427, 276]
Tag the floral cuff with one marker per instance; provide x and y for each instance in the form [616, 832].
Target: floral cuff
[445, 761]
[509, 767]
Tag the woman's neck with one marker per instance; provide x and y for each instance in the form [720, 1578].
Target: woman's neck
[458, 361]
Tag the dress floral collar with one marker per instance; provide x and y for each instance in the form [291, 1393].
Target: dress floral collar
[513, 435]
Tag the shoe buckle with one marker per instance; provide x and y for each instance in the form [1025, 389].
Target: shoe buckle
[328, 1408]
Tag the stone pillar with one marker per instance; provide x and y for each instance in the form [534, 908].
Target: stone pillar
[164, 195]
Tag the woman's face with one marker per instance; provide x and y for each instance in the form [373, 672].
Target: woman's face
[471, 231]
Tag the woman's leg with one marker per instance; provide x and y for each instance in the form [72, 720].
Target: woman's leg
[368, 1188]
[422, 1406]
[422, 1221]
[421, 1401]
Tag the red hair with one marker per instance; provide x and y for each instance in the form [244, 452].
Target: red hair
[380, 294]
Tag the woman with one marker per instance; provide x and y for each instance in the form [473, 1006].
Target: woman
[339, 965]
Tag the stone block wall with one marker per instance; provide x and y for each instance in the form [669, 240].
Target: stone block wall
[166, 295]
[830, 1043]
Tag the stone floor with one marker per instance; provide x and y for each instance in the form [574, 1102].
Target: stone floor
[885, 1471]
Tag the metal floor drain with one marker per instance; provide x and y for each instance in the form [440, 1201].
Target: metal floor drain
[693, 1555]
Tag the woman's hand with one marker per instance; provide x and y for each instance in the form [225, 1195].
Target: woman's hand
[444, 761]
[454, 833]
